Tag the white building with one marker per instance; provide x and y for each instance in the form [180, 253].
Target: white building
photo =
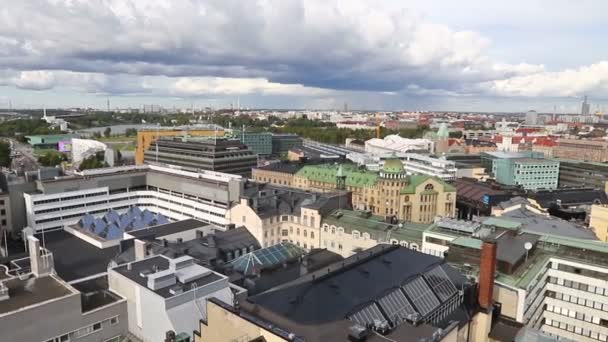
[413, 163]
[395, 143]
[172, 192]
[166, 294]
[84, 148]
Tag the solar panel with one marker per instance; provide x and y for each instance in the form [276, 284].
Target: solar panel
[113, 233]
[366, 316]
[86, 221]
[421, 295]
[160, 219]
[440, 283]
[396, 306]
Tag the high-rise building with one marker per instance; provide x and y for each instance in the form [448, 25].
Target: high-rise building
[585, 107]
[532, 118]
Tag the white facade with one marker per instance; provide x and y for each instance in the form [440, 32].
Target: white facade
[413, 163]
[83, 148]
[395, 143]
[56, 210]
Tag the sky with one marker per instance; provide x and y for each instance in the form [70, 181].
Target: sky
[467, 55]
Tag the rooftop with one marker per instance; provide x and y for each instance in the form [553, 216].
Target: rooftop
[322, 305]
[326, 173]
[32, 291]
[375, 226]
[158, 231]
[158, 267]
[290, 168]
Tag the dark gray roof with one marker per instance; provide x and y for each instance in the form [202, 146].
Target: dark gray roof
[316, 306]
[548, 225]
[510, 247]
[233, 239]
[570, 197]
[168, 229]
[283, 167]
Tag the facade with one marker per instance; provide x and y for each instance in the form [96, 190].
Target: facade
[576, 173]
[166, 294]
[174, 193]
[584, 150]
[413, 163]
[276, 174]
[390, 192]
[599, 221]
[258, 142]
[146, 136]
[525, 169]
[48, 141]
[54, 310]
[531, 118]
[282, 143]
[219, 155]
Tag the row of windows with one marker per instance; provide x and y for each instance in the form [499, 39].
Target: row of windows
[89, 329]
[578, 286]
[578, 315]
[577, 300]
[576, 329]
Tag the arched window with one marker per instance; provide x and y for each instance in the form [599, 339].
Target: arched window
[403, 243]
[429, 187]
[356, 234]
[394, 242]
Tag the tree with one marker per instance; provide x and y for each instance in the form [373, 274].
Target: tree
[52, 158]
[93, 162]
[107, 132]
[5, 153]
[131, 132]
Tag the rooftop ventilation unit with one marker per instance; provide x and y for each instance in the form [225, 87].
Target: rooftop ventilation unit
[357, 333]
[175, 290]
[145, 273]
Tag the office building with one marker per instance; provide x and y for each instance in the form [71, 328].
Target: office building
[585, 107]
[582, 149]
[531, 118]
[577, 173]
[258, 142]
[388, 193]
[387, 293]
[282, 143]
[526, 169]
[146, 136]
[38, 305]
[219, 155]
[174, 193]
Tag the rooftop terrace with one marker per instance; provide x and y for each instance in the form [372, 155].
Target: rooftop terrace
[32, 291]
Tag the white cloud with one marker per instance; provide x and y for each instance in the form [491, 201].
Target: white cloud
[238, 86]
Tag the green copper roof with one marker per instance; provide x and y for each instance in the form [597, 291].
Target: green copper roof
[468, 242]
[415, 180]
[327, 173]
[340, 172]
[393, 166]
[443, 132]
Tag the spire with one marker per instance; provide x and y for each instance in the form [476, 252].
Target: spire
[443, 132]
[340, 172]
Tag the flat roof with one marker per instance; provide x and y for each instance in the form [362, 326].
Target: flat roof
[31, 291]
[169, 228]
[161, 263]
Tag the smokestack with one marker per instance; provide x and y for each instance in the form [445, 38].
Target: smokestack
[140, 249]
[487, 270]
[39, 264]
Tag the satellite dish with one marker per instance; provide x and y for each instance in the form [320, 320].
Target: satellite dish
[528, 246]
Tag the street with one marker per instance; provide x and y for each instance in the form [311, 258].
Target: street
[23, 156]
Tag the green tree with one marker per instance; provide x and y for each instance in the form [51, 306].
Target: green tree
[5, 153]
[131, 132]
[52, 158]
[107, 132]
[93, 162]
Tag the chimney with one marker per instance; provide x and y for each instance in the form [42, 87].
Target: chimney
[140, 249]
[487, 270]
[39, 265]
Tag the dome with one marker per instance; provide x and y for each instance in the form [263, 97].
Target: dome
[393, 166]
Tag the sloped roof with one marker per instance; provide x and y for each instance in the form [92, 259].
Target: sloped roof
[415, 180]
[326, 173]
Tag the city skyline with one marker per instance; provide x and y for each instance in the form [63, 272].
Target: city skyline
[415, 55]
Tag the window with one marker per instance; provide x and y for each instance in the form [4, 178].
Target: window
[244, 219]
[339, 246]
[284, 232]
[305, 233]
[297, 231]
[312, 235]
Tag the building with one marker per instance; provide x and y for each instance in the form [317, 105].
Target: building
[577, 173]
[526, 169]
[584, 150]
[174, 193]
[32, 295]
[282, 143]
[146, 136]
[166, 294]
[388, 193]
[599, 221]
[50, 141]
[388, 293]
[442, 139]
[395, 143]
[475, 198]
[531, 118]
[474, 146]
[585, 107]
[276, 214]
[258, 142]
[280, 174]
[219, 155]
[413, 163]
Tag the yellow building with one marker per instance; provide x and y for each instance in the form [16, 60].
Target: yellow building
[599, 221]
[390, 192]
[145, 137]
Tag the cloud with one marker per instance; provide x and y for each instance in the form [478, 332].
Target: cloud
[313, 48]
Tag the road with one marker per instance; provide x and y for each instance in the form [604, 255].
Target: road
[26, 158]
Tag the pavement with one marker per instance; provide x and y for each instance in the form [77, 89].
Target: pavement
[26, 159]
